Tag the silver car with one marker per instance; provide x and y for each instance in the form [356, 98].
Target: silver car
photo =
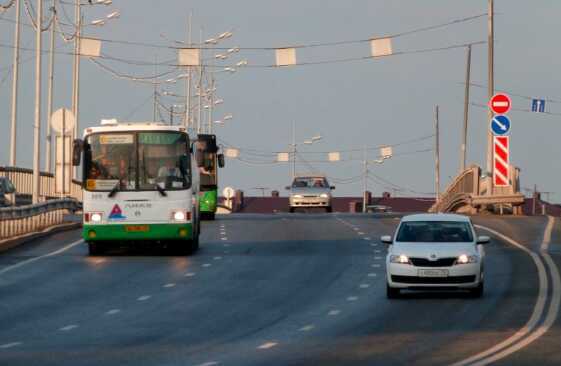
[310, 191]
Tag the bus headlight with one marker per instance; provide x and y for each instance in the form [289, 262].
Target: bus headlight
[180, 215]
[96, 217]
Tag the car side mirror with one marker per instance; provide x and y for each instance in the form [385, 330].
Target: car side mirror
[332, 187]
[184, 164]
[386, 239]
[483, 240]
[221, 162]
[77, 148]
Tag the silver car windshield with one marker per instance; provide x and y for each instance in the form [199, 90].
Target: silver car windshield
[435, 232]
[310, 182]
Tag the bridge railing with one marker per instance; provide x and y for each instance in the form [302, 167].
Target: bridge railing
[465, 185]
[22, 178]
[20, 220]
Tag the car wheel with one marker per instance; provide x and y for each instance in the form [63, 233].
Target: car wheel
[291, 210]
[478, 291]
[328, 209]
[392, 293]
[95, 248]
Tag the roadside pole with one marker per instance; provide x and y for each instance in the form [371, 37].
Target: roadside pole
[437, 157]
[463, 151]
[15, 83]
[365, 182]
[490, 92]
[49, 139]
[37, 122]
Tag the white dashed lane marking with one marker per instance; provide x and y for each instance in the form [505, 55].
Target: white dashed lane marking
[190, 274]
[364, 285]
[68, 327]
[334, 312]
[306, 328]
[360, 233]
[217, 258]
[207, 265]
[377, 258]
[113, 311]
[168, 285]
[372, 274]
[352, 298]
[210, 363]
[144, 298]
[375, 266]
[267, 345]
[10, 345]
[367, 238]
[224, 238]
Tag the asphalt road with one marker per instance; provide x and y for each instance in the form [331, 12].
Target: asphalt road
[300, 289]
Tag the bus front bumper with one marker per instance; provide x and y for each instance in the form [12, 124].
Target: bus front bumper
[136, 232]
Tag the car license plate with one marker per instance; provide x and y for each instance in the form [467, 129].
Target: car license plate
[433, 273]
[137, 228]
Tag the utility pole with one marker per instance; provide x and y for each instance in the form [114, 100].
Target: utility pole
[437, 156]
[49, 139]
[37, 122]
[463, 152]
[188, 81]
[293, 149]
[15, 83]
[365, 177]
[171, 115]
[76, 76]
[490, 92]
[200, 111]
[155, 101]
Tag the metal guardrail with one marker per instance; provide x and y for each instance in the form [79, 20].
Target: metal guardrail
[21, 220]
[22, 178]
[458, 192]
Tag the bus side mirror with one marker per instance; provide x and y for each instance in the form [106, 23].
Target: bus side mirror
[77, 148]
[200, 158]
[221, 162]
[184, 164]
[332, 187]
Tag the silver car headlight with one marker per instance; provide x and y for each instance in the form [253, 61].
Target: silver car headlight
[324, 195]
[465, 259]
[297, 196]
[400, 259]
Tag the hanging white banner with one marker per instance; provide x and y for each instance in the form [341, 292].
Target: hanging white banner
[189, 57]
[286, 56]
[381, 47]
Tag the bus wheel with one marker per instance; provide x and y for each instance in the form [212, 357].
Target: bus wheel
[95, 248]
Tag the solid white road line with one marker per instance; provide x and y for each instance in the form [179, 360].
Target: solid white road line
[144, 298]
[514, 342]
[31, 260]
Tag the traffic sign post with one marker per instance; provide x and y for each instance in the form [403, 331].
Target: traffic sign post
[500, 103]
[501, 167]
[500, 125]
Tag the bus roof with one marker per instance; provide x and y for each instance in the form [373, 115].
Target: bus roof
[133, 126]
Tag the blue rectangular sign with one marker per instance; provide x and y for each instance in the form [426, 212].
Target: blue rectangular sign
[538, 105]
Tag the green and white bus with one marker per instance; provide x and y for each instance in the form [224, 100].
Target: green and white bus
[139, 186]
[208, 161]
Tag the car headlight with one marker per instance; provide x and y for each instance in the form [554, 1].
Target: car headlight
[401, 259]
[179, 215]
[324, 195]
[465, 259]
[297, 196]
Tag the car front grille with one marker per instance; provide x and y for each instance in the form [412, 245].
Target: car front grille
[440, 262]
[434, 280]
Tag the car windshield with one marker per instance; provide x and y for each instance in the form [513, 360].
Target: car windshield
[310, 182]
[435, 232]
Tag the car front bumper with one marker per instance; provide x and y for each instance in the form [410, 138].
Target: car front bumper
[409, 276]
[315, 201]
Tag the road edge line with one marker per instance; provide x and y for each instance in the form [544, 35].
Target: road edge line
[536, 313]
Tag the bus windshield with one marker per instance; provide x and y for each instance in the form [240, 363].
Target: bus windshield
[137, 161]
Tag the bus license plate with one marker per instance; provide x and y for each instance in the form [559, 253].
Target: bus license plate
[137, 228]
[433, 273]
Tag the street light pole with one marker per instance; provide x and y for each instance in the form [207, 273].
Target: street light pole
[48, 141]
[37, 122]
[437, 156]
[466, 111]
[199, 120]
[365, 183]
[188, 81]
[15, 83]
[293, 149]
[490, 91]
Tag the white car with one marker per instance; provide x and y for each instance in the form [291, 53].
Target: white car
[435, 251]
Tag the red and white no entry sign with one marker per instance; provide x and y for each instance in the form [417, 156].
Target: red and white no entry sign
[501, 161]
[500, 103]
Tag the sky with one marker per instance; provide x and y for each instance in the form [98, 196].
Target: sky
[352, 105]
